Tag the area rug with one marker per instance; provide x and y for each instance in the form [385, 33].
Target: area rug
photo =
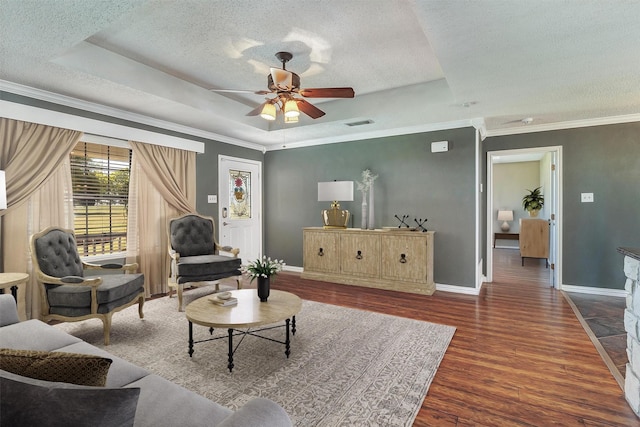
[347, 367]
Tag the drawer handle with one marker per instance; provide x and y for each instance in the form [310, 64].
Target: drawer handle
[320, 252]
[403, 258]
[359, 256]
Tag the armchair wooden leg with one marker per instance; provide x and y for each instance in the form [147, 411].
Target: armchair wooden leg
[180, 286]
[107, 327]
[140, 304]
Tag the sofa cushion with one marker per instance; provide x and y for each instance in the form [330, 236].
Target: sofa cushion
[73, 368]
[208, 266]
[114, 287]
[8, 310]
[121, 372]
[185, 408]
[31, 402]
[34, 335]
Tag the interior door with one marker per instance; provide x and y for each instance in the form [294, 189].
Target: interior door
[240, 206]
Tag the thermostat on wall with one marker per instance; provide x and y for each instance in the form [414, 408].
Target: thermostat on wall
[440, 146]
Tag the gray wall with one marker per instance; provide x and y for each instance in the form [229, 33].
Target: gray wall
[412, 181]
[604, 160]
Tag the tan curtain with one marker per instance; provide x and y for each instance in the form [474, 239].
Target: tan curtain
[162, 186]
[39, 193]
[29, 154]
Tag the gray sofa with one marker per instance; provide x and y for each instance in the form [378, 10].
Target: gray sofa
[159, 401]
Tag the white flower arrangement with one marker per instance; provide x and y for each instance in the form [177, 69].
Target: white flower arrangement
[265, 267]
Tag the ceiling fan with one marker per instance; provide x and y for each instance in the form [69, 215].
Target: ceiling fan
[285, 85]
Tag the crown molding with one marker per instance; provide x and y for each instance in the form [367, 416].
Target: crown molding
[68, 101]
[432, 127]
[601, 121]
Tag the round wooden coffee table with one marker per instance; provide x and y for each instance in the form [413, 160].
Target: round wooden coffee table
[249, 313]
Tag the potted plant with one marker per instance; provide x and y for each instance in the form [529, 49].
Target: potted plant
[533, 202]
[263, 269]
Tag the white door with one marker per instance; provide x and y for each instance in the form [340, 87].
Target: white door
[240, 206]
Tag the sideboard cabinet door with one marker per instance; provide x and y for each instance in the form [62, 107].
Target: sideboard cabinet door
[360, 254]
[404, 258]
[321, 251]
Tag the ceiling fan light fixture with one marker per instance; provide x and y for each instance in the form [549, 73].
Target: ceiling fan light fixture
[291, 108]
[268, 111]
[289, 120]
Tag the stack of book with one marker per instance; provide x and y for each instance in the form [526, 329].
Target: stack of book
[223, 302]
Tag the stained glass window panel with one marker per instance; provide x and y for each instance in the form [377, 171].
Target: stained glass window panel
[239, 194]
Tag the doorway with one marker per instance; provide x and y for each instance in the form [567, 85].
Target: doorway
[240, 205]
[550, 179]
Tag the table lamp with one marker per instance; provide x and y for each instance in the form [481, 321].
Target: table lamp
[505, 216]
[335, 191]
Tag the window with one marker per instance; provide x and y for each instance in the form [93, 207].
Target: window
[100, 178]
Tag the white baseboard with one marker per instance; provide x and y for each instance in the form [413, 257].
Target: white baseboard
[292, 268]
[458, 289]
[595, 291]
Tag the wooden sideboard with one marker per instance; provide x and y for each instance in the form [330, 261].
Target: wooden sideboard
[534, 239]
[386, 259]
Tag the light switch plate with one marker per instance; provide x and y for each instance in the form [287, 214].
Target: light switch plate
[586, 197]
[212, 198]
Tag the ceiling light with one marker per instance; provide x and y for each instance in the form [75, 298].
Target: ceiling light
[268, 111]
[527, 121]
[291, 119]
[291, 108]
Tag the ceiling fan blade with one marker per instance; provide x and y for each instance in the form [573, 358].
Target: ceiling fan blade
[257, 110]
[309, 109]
[328, 92]
[257, 92]
[282, 79]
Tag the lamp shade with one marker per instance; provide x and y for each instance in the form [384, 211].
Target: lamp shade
[268, 111]
[291, 108]
[505, 215]
[3, 191]
[335, 191]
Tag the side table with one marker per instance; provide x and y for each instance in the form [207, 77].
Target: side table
[505, 236]
[11, 282]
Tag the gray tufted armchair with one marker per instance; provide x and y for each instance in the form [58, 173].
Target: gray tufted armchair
[195, 254]
[70, 296]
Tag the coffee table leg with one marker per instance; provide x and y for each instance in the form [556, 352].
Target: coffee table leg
[230, 364]
[287, 341]
[293, 325]
[190, 339]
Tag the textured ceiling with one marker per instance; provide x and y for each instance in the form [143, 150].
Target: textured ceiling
[414, 65]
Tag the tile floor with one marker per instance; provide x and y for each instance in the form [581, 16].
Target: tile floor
[605, 317]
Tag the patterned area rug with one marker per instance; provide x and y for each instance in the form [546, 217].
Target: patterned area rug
[347, 367]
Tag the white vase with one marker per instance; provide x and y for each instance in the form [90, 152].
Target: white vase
[371, 205]
[363, 224]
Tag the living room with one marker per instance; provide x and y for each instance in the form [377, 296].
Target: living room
[448, 189]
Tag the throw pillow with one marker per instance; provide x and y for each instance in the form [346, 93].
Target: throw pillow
[73, 368]
[29, 402]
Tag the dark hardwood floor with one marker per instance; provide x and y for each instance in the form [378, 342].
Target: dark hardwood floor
[519, 356]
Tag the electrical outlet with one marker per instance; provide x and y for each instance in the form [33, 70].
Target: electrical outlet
[212, 198]
[586, 197]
